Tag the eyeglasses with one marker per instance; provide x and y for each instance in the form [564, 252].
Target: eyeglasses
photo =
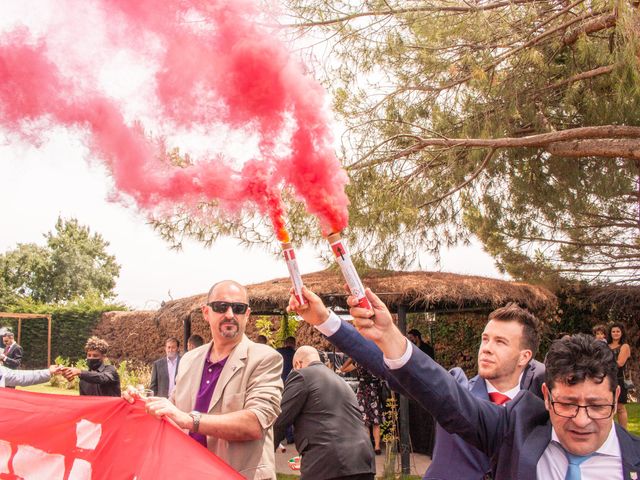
[222, 307]
[570, 410]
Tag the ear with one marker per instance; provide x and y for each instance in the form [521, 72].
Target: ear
[545, 395]
[525, 357]
[616, 395]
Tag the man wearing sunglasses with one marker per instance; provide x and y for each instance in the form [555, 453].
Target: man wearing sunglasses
[228, 391]
[570, 435]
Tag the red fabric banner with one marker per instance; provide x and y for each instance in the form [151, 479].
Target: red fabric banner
[59, 437]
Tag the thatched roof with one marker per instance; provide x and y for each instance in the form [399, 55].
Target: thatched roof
[141, 334]
[418, 291]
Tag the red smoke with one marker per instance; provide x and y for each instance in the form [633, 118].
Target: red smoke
[214, 65]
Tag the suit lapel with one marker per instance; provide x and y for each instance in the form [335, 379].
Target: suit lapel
[235, 362]
[630, 453]
[479, 388]
[532, 449]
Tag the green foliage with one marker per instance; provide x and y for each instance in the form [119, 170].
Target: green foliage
[288, 328]
[71, 326]
[74, 264]
[134, 375]
[264, 327]
[389, 435]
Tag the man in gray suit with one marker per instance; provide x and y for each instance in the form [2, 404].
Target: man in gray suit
[163, 373]
[25, 378]
[329, 431]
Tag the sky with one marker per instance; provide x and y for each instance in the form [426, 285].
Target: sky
[60, 177]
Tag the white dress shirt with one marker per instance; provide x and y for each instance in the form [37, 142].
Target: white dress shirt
[172, 365]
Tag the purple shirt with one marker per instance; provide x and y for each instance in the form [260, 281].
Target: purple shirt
[210, 375]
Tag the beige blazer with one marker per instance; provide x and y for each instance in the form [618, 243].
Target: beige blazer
[249, 380]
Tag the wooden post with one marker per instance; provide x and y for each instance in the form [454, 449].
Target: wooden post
[48, 340]
[186, 331]
[19, 331]
[405, 440]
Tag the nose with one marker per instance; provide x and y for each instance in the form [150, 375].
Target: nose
[228, 312]
[582, 419]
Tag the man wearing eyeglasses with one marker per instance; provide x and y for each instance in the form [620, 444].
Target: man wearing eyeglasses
[228, 391]
[570, 435]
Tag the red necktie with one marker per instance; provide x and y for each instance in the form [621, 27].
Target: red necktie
[498, 398]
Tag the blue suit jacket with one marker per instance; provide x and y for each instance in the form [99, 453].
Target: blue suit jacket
[513, 437]
[453, 458]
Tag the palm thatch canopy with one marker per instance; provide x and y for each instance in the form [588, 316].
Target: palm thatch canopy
[416, 291]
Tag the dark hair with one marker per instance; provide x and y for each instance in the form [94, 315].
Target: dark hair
[415, 332]
[173, 339]
[196, 340]
[599, 328]
[96, 344]
[623, 338]
[512, 312]
[579, 357]
[290, 342]
[261, 339]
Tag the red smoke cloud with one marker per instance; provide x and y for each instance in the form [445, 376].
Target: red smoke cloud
[213, 66]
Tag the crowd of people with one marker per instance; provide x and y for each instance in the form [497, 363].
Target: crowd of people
[517, 418]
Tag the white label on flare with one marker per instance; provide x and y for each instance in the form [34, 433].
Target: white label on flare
[349, 273]
[294, 273]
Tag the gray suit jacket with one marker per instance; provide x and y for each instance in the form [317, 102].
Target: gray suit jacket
[514, 437]
[22, 378]
[160, 377]
[453, 458]
[329, 431]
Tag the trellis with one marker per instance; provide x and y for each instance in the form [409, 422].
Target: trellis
[29, 316]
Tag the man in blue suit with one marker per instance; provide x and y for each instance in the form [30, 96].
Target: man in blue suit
[570, 435]
[509, 342]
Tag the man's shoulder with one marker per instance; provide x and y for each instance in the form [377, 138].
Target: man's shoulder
[260, 350]
[629, 442]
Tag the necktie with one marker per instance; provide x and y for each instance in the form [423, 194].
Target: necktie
[573, 472]
[498, 398]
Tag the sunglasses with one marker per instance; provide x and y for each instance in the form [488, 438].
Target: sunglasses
[222, 307]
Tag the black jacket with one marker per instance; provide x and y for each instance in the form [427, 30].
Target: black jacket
[14, 357]
[104, 382]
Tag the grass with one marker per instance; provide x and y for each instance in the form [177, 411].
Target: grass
[46, 388]
[633, 411]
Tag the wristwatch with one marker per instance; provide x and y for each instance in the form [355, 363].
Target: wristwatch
[195, 415]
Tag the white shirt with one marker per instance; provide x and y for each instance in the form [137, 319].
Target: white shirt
[509, 393]
[171, 367]
[606, 464]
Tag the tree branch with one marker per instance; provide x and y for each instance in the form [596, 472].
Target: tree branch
[609, 147]
[474, 175]
[581, 76]
[400, 11]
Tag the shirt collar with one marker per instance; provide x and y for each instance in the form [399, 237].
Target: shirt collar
[610, 447]
[509, 393]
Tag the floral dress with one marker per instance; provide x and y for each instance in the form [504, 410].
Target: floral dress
[368, 394]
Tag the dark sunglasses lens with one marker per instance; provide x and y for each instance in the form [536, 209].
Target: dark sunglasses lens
[222, 307]
[239, 308]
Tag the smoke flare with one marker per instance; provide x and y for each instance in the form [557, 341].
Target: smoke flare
[213, 67]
